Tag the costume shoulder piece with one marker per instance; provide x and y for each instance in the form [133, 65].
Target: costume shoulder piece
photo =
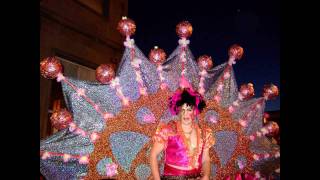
[172, 126]
[164, 130]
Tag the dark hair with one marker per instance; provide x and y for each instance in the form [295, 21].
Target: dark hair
[188, 96]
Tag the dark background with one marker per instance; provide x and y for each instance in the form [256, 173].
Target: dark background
[255, 25]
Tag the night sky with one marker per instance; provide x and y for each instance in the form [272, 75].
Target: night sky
[216, 26]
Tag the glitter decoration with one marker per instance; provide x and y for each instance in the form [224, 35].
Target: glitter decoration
[272, 128]
[66, 157]
[60, 77]
[144, 115]
[84, 160]
[50, 67]
[225, 145]
[94, 136]
[126, 26]
[127, 79]
[211, 117]
[111, 169]
[173, 70]
[163, 85]
[203, 75]
[135, 63]
[213, 170]
[125, 153]
[45, 155]
[81, 109]
[226, 123]
[64, 142]
[246, 106]
[205, 62]
[116, 85]
[61, 119]
[246, 91]
[241, 162]
[57, 169]
[145, 88]
[184, 42]
[236, 51]
[225, 91]
[143, 171]
[120, 124]
[81, 94]
[254, 117]
[149, 73]
[262, 145]
[157, 55]
[266, 166]
[184, 29]
[212, 78]
[105, 73]
[270, 91]
[161, 156]
[161, 168]
[101, 166]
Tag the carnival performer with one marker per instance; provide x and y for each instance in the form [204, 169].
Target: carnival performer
[185, 144]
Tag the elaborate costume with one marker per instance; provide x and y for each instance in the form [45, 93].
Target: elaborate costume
[178, 150]
[114, 120]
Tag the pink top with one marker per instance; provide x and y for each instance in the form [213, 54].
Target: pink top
[177, 151]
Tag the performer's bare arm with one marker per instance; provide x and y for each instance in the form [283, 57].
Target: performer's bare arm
[206, 164]
[156, 149]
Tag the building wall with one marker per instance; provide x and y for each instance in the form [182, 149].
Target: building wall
[82, 31]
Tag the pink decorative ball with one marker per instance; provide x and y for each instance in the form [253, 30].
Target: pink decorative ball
[61, 119]
[126, 26]
[205, 62]
[270, 91]
[184, 29]
[247, 90]
[50, 67]
[273, 128]
[157, 55]
[236, 51]
[105, 73]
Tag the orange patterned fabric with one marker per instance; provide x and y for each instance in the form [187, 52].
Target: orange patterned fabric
[163, 132]
[209, 139]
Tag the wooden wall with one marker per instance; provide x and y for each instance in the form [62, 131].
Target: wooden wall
[82, 31]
